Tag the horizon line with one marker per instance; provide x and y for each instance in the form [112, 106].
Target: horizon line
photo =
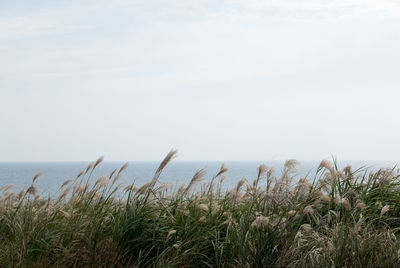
[200, 160]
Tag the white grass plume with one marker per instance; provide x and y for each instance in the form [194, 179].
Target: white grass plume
[198, 176]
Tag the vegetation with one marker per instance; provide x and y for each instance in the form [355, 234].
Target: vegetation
[344, 218]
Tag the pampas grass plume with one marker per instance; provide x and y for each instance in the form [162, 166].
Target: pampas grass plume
[222, 170]
[309, 210]
[166, 160]
[66, 182]
[144, 187]
[123, 167]
[290, 164]
[172, 232]
[203, 207]
[6, 187]
[345, 203]
[385, 209]
[325, 198]
[260, 221]
[89, 167]
[36, 176]
[98, 161]
[360, 204]
[32, 190]
[198, 176]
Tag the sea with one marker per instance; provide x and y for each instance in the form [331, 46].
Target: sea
[176, 173]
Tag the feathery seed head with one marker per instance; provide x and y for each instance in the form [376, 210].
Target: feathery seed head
[360, 204]
[316, 194]
[303, 186]
[216, 208]
[345, 203]
[65, 183]
[123, 167]
[291, 212]
[80, 174]
[270, 172]
[309, 210]
[324, 198]
[262, 169]
[20, 194]
[172, 232]
[347, 170]
[112, 173]
[327, 165]
[341, 175]
[177, 245]
[229, 219]
[306, 227]
[290, 164]
[102, 181]
[271, 196]
[32, 190]
[161, 188]
[305, 181]
[222, 170]
[6, 187]
[64, 193]
[227, 214]
[203, 207]
[8, 196]
[260, 221]
[169, 197]
[385, 209]
[384, 176]
[130, 187]
[330, 178]
[239, 185]
[65, 214]
[36, 176]
[337, 200]
[98, 161]
[198, 176]
[166, 160]
[142, 189]
[359, 223]
[185, 212]
[89, 167]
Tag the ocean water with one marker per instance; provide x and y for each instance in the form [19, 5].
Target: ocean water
[176, 173]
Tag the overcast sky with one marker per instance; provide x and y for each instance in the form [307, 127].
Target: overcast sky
[218, 80]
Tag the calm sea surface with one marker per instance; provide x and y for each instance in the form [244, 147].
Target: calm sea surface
[176, 173]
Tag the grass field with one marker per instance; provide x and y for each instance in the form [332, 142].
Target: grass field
[337, 218]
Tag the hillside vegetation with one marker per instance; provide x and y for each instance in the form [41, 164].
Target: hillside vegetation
[337, 218]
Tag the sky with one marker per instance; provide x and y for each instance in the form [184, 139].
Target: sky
[215, 79]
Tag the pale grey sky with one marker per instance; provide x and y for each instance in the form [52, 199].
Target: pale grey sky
[218, 80]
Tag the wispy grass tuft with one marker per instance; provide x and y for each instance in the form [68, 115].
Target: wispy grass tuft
[338, 218]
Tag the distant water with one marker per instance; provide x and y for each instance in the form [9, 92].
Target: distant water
[175, 173]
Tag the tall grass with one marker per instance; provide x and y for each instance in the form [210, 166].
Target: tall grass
[338, 218]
